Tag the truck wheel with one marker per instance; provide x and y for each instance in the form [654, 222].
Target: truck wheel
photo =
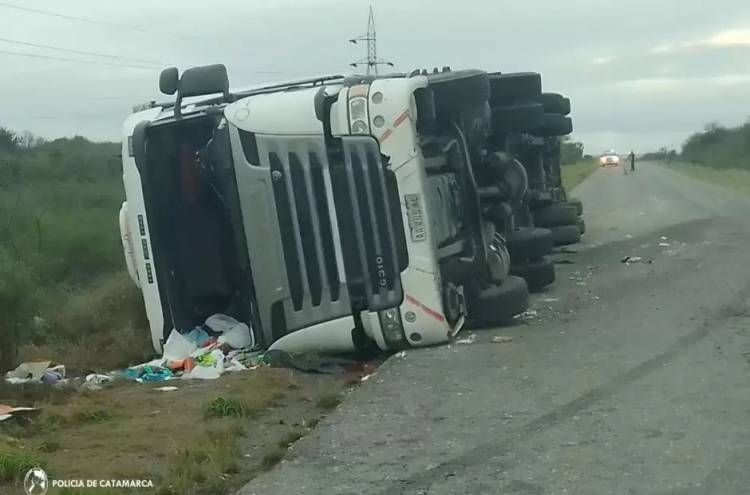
[526, 244]
[517, 118]
[565, 234]
[497, 304]
[454, 91]
[537, 275]
[554, 125]
[582, 225]
[577, 203]
[509, 88]
[556, 214]
[555, 103]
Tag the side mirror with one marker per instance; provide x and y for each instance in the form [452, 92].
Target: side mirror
[168, 80]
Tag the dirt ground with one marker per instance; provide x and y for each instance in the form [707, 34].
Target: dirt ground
[203, 438]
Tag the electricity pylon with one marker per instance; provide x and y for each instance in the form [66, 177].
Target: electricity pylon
[372, 61]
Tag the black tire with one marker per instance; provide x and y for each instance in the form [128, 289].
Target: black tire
[566, 234]
[537, 275]
[497, 304]
[555, 103]
[454, 91]
[519, 86]
[577, 203]
[523, 117]
[555, 215]
[527, 244]
[582, 225]
[554, 125]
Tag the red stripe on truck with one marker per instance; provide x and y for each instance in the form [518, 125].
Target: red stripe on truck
[430, 312]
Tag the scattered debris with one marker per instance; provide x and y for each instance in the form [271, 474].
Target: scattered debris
[178, 347]
[664, 244]
[401, 354]
[502, 339]
[550, 299]
[367, 377]
[202, 373]
[6, 412]
[468, 340]
[529, 314]
[663, 238]
[166, 389]
[238, 336]
[631, 259]
[95, 381]
[628, 236]
[36, 372]
[54, 376]
[142, 374]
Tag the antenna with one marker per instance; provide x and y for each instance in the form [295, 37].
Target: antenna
[372, 61]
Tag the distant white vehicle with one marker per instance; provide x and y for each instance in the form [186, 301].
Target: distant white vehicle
[609, 159]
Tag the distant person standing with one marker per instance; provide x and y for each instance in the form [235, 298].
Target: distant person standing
[632, 161]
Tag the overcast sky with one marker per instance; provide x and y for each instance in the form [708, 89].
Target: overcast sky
[641, 73]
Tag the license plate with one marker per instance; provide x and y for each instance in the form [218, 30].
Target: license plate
[416, 218]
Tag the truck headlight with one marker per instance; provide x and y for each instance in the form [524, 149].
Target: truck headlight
[393, 329]
[358, 117]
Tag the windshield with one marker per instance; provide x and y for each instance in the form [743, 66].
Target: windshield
[329, 247]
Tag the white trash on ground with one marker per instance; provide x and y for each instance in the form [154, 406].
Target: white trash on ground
[238, 337]
[178, 347]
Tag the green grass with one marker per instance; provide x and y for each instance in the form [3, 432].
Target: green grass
[13, 467]
[572, 175]
[732, 178]
[222, 407]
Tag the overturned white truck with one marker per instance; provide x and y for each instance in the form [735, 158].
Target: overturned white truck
[328, 214]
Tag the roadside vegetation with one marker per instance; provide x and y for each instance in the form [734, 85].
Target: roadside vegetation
[63, 293]
[205, 438]
[732, 178]
[575, 165]
[717, 154]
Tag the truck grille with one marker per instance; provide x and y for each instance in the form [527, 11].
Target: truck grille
[351, 214]
[371, 235]
[304, 221]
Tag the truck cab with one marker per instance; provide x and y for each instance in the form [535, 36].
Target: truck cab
[328, 214]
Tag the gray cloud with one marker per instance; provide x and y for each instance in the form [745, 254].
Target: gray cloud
[641, 74]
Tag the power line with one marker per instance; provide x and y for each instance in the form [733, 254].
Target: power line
[80, 52]
[74, 18]
[63, 59]
[125, 27]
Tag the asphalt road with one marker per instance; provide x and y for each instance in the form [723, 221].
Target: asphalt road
[624, 378]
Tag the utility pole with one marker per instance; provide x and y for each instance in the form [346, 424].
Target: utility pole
[372, 61]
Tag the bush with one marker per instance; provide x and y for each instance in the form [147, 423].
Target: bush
[102, 327]
[719, 147]
[17, 303]
[570, 152]
[61, 256]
